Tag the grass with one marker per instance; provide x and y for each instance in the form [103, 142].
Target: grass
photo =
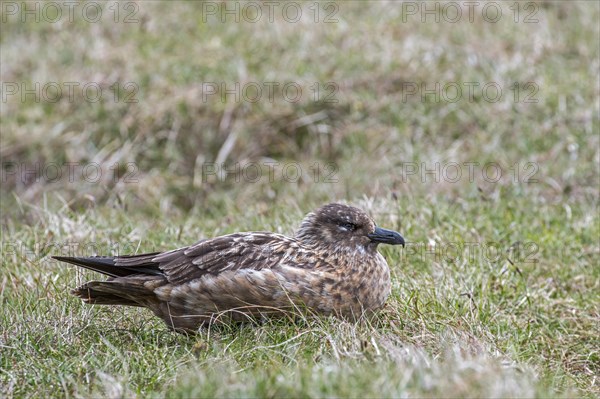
[496, 294]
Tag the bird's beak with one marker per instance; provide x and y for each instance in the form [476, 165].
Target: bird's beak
[384, 236]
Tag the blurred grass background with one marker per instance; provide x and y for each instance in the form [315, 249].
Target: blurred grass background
[154, 62]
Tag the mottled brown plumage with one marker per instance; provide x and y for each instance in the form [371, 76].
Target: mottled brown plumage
[331, 266]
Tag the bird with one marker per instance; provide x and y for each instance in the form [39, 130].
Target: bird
[331, 266]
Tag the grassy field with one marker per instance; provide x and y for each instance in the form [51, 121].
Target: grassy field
[133, 127]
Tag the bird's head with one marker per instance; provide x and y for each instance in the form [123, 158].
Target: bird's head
[343, 226]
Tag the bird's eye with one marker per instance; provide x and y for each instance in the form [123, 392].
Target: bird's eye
[349, 226]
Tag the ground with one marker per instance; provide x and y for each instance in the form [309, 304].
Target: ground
[134, 127]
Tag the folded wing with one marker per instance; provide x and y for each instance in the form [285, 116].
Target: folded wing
[212, 256]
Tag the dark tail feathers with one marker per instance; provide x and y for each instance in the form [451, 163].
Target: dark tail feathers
[116, 266]
[132, 279]
[113, 292]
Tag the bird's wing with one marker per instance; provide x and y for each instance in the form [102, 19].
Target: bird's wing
[257, 251]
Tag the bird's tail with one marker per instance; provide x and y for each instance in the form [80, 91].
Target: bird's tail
[132, 279]
[116, 266]
[116, 291]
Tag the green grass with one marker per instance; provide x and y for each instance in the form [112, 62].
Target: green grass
[496, 294]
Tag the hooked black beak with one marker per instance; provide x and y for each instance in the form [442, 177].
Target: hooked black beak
[384, 236]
